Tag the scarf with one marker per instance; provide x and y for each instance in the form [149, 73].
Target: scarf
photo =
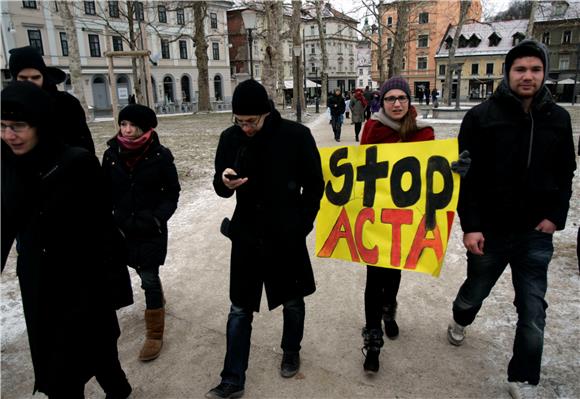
[132, 150]
[359, 96]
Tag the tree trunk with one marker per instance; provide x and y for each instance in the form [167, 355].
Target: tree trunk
[323, 75]
[403, 11]
[297, 60]
[272, 56]
[199, 14]
[531, 20]
[74, 56]
[463, 8]
[279, 15]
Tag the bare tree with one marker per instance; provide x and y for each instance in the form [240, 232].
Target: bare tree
[199, 14]
[322, 35]
[463, 8]
[272, 56]
[298, 92]
[531, 20]
[401, 34]
[75, 68]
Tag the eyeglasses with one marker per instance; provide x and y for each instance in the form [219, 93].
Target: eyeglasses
[16, 127]
[393, 99]
[252, 124]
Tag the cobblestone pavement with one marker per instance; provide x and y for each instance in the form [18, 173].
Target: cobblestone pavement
[420, 364]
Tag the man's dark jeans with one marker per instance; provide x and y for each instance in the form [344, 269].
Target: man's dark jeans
[336, 122]
[239, 331]
[151, 284]
[528, 254]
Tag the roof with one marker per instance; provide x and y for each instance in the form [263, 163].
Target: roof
[557, 11]
[505, 30]
[309, 12]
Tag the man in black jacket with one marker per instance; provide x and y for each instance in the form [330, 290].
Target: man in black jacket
[273, 167]
[515, 196]
[337, 106]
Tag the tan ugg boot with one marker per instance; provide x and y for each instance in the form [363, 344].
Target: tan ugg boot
[155, 322]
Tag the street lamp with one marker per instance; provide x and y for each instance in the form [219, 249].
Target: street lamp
[297, 50]
[249, 17]
[457, 68]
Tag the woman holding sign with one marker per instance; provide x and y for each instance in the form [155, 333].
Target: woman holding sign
[395, 121]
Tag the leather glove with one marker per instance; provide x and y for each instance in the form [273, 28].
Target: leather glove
[461, 166]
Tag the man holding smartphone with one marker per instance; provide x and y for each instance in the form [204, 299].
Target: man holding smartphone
[273, 167]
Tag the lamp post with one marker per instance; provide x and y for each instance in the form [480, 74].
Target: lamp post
[249, 17]
[457, 68]
[297, 50]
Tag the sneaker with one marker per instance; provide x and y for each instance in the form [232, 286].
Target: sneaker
[455, 333]
[371, 364]
[522, 390]
[225, 390]
[290, 365]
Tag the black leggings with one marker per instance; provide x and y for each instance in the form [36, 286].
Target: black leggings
[381, 290]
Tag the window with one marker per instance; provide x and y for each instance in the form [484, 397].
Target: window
[114, 9]
[313, 68]
[165, 49]
[162, 14]
[494, 39]
[489, 69]
[63, 44]
[424, 18]
[213, 20]
[421, 62]
[312, 49]
[441, 69]
[324, 29]
[546, 38]
[360, 83]
[517, 38]
[502, 68]
[35, 39]
[360, 71]
[564, 62]
[404, 64]
[389, 43]
[566, 37]
[423, 41]
[312, 31]
[90, 8]
[462, 41]
[139, 14]
[117, 43]
[389, 21]
[180, 16]
[29, 4]
[183, 49]
[94, 46]
[215, 50]
[475, 69]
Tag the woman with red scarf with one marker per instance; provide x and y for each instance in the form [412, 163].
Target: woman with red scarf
[357, 107]
[144, 190]
[395, 122]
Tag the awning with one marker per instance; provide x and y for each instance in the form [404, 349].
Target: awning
[289, 84]
[566, 81]
[550, 82]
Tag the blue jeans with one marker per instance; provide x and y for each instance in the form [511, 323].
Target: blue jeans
[336, 122]
[151, 284]
[239, 331]
[528, 254]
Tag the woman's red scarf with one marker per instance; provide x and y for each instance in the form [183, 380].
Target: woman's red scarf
[358, 94]
[131, 150]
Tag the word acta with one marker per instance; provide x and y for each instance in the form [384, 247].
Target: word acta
[369, 173]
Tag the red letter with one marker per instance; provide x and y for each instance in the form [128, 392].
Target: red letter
[340, 230]
[420, 243]
[396, 217]
[369, 255]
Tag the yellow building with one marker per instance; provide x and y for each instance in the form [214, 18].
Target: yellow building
[481, 52]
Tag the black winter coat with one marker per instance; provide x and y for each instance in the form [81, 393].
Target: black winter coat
[275, 210]
[522, 164]
[143, 200]
[336, 104]
[53, 205]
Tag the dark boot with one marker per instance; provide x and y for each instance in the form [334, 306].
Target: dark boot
[155, 322]
[373, 342]
[391, 327]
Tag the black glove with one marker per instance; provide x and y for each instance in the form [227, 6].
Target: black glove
[461, 166]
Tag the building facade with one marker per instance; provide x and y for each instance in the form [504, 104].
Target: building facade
[481, 53]
[103, 26]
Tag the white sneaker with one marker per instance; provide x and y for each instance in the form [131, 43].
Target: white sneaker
[522, 390]
[455, 333]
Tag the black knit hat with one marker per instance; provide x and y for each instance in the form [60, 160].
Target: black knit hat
[396, 82]
[26, 102]
[526, 48]
[250, 98]
[140, 115]
[29, 57]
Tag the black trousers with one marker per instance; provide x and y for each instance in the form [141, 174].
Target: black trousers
[381, 290]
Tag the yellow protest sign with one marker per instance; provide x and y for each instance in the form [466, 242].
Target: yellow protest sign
[389, 205]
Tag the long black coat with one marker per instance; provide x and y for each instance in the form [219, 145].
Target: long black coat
[275, 210]
[522, 164]
[72, 123]
[143, 200]
[53, 205]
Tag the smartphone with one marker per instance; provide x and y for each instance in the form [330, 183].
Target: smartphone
[230, 176]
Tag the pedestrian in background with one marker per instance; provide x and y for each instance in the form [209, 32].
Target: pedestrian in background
[346, 105]
[337, 108]
[273, 167]
[368, 95]
[143, 188]
[26, 63]
[427, 97]
[511, 202]
[375, 102]
[70, 279]
[357, 106]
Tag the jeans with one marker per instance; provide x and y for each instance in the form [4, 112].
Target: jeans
[151, 284]
[381, 290]
[357, 126]
[336, 121]
[528, 254]
[239, 331]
